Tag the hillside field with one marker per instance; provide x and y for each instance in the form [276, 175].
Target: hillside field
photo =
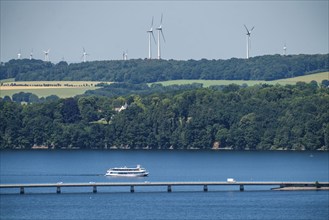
[64, 89]
[318, 77]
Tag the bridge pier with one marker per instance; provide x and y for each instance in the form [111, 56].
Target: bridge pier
[205, 188]
[94, 189]
[132, 189]
[317, 185]
[169, 188]
[21, 191]
[58, 190]
[241, 188]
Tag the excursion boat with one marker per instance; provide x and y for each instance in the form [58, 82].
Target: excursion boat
[127, 172]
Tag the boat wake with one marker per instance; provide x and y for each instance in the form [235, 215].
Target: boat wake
[57, 174]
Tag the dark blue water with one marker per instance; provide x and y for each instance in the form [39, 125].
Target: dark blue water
[156, 203]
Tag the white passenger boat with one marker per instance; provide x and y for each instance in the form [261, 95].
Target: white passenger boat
[127, 172]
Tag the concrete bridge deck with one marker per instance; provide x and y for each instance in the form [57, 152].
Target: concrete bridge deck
[169, 185]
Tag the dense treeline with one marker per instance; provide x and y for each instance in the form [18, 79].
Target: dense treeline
[261, 117]
[122, 89]
[113, 90]
[268, 67]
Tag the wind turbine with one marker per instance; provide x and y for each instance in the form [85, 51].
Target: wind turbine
[159, 29]
[46, 55]
[284, 50]
[248, 39]
[84, 55]
[125, 55]
[31, 55]
[19, 55]
[150, 32]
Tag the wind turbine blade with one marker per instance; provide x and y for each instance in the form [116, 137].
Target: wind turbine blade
[161, 19]
[252, 29]
[246, 28]
[163, 36]
[152, 22]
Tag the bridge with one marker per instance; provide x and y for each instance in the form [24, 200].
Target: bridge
[94, 185]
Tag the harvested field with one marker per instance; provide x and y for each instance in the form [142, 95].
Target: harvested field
[63, 89]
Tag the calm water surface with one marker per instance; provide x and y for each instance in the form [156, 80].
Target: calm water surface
[156, 203]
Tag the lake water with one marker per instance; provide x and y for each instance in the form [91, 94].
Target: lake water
[155, 203]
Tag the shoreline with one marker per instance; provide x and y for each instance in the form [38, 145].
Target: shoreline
[45, 148]
[301, 188]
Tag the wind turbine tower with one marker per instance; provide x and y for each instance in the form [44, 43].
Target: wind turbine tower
[84, 55]
[46, 55]
[159, 29]
[248, 39]
[125, 55]
[150, 32]
[284, 50]
[31, 55]
[19, 55]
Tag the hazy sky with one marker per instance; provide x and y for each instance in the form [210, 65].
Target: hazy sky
[192, 29]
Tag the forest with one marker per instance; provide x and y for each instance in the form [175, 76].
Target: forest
[137, 71]
[261, 117]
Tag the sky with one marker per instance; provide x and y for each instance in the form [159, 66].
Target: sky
[192, 29]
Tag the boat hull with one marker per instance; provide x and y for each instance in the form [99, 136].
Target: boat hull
[126, 175]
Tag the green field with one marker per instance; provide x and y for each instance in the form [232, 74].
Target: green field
[7, 80]
[206, 83]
